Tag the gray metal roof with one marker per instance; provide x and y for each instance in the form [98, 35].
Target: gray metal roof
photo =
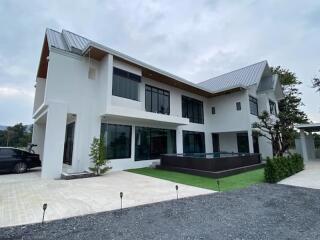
[56, 40]
[242, 77]
[71, 42]
[66, 41]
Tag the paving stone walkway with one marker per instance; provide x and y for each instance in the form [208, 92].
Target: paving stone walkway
[22, 196]
[263, 212]
[309, 178]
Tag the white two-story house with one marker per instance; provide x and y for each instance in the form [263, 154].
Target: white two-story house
[86, 90]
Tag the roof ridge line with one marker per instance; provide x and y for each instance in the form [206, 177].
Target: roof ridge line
[76, 34]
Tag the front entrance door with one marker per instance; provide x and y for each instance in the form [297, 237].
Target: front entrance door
[255, 140]
[215, 142]
[68, 144]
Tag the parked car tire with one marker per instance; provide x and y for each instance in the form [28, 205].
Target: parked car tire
[20, 167]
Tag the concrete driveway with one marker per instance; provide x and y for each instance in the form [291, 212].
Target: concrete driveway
[22, 196]
[309, 178]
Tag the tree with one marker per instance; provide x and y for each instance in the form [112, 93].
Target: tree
[15, 136]
[98, 156]
[269, 128]
[282, 130]
[316, 83]
[289, 107]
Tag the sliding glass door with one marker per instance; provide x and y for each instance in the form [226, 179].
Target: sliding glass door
[193, 142]
[152, 142]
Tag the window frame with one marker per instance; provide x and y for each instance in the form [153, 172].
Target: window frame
[156, 90]
[273, 103]
[238, 106]
[151, 131]
[124, 76]
[106, 129]
[201, 134]
[189, 103]
[253, 100]
[213, 110]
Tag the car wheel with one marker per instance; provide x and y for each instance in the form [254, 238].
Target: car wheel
[20, 167]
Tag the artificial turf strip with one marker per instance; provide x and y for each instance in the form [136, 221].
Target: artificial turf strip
[238, 181]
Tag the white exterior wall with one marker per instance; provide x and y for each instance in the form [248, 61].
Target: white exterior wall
[265, 145]
[227, 118]
[39, 93]
[68, 85]
[139, 107]
[68, 90]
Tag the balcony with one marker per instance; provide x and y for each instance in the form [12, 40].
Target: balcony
[144, 117]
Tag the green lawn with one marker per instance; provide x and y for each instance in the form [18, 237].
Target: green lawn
[228, 183]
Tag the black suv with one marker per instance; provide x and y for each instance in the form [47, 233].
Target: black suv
[17, 160]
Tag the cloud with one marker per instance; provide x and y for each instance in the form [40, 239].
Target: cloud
[192, 39]
[7, 92]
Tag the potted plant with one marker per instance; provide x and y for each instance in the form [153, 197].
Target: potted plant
[98, 157]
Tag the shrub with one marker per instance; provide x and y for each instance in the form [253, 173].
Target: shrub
[279, 168]
[98, 156]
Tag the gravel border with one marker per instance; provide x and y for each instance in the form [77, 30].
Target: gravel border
[264, 211]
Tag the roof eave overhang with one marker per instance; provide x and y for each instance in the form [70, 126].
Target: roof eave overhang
[225, 91]
[309, 127]
[98, 52]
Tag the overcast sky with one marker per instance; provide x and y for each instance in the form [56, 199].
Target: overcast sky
[195, 40]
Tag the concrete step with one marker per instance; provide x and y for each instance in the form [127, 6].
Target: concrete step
[69, 176]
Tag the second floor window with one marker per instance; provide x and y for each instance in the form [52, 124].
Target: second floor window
[192, 109]
[238, 106]
[273, 108]
[157, 100]
[125, 84]
[253, 105]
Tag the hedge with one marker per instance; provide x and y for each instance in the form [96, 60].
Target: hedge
[279, 168]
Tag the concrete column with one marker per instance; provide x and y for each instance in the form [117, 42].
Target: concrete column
[251, 150]
[109, 78]
[133, 141]
[76, 146]
[87, 127]
[179, 140]
[304, 150]
[208, 140]
[54, 140]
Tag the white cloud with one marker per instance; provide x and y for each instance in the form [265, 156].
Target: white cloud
[193, 39]
[6, 92]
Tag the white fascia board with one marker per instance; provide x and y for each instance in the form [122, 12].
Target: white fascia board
[241, 86]
[307, 125]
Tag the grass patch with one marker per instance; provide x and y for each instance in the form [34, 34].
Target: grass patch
[238, 181]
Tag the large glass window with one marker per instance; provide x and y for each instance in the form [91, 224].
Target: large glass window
[125, 84]
[253, 105]
[157, 100]
[117, 139]
[193, 142]
[273, 108]
[243, 142]
[152, 142]
[192, 109]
